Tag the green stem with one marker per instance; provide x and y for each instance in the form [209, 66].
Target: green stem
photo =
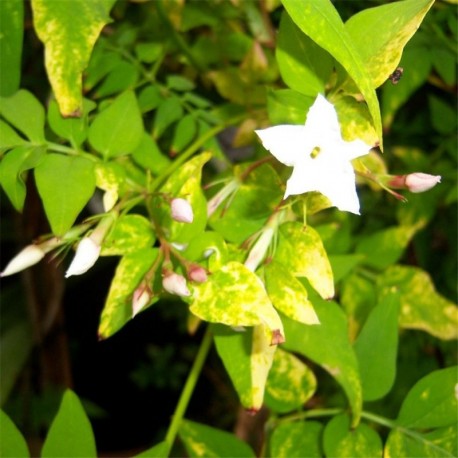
[188, 390]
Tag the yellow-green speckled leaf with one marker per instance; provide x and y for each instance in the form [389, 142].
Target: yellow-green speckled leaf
[262, 356]
[234, 296]
[118, 306]
[301, 251]
[288, 294]
[355, 120]
[290, 383]
[69, 30]
[422, 307]
[381, 33]
[130, 233]
[345, 441]
[110, 177]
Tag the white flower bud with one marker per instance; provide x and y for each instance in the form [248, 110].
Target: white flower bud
[421, 182]
[197, 273]
[140, 298]
[85, 257]
[175, 284]
[182, 211]
[29, 256]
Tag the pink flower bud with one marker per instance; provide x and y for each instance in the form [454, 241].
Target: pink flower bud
[182, 211]
[197, 273]
[29, 256]
[421, 182]
[85, 257]
[175, 284]
[141, 297]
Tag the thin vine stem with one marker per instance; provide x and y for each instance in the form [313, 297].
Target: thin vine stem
[188, 390]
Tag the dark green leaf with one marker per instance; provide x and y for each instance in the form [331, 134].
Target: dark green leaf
[149, 156]
[12, 27]
[168, 112]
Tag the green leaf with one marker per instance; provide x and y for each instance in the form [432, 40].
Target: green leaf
[118, 306]
[179, 83]
[205, 441]
[345, 442]
[24, 112]
[320, 21]
[149, 156]
[395, 24]
[65, 184]
[130, 233]
[304, 66]
[12, 168]
[13, 443]
[72, 129]
[417, 62]
[12, 27]
[290, 383]
[254, 201]
[150, 98]
[157, 451]
[69, 34]
[234, 296]
[382, 249]
[70, 434]
[301, 250]
[289, 440]
[15, 346]
[149, 52]
[328, 345]
[421, 306]
[122, 77]
[118, 129]
[432, 402]
[288, 294]
[376, 348]
[185, 131]
[168, 112]
[8, 137]
[439, 443]
[286, 106]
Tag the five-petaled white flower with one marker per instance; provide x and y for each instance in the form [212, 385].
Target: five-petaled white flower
[319, 155]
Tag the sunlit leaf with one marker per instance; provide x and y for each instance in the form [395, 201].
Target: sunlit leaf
[13, 442]
[69, 31]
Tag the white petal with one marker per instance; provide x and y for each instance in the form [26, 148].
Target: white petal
[27, 257]
[322, 122]
[287, 143]
[86, 255]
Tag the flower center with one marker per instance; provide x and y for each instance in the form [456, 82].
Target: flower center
[315, 152]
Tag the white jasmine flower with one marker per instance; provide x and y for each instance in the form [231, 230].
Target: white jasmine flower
[27, 257]
[175, 284]
[421, 182]
[85, 257]
[319, 155]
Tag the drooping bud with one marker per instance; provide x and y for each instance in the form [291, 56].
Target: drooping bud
[421, 182]
[27, 257]
[259, 250]
[30, 255]
[85, 257]
[197, 273]
[175, 284]
[181, 210]
[140, 298]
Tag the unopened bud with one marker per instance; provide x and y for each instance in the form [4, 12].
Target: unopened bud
[27, 257]
[85, 257]
[182, 210]
[140, 298]
[197, 273]
[421, 182]
[175, 284]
